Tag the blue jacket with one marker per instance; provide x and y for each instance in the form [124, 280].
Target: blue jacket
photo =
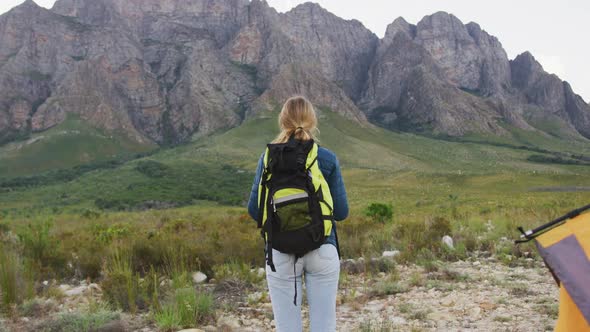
[330, 168]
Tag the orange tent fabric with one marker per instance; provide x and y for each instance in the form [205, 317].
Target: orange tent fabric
[566, 250]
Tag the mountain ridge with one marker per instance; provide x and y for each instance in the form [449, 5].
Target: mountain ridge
[165, 71]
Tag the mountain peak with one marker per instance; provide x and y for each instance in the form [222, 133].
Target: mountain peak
[526, 59]
[309, 6]
[28, 7]
[439, 20]
[442, 15]
[399, 25]
[28, 4]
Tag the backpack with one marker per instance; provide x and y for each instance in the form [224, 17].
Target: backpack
[295, 204]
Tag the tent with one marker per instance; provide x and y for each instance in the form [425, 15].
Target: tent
[564, 244]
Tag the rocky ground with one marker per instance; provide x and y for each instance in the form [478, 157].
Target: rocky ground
[475, 295]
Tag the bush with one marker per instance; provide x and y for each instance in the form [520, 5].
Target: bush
[236, 271]
[9, 279]
[150, 252]
[17, 278]
[187, 309]
[78, 321]
[35, 239]
[151, 168]
[42, 249]
[90, 214]
[121, 283]
[179, 267]
[106, 234]
[423, 239]
[89, 261]
[380, 212]
[389, 286]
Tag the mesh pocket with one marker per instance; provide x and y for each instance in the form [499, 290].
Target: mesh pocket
[292, 209]
[293, 215]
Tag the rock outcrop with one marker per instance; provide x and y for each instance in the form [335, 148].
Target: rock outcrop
[164, 71]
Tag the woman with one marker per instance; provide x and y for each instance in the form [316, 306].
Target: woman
[321, 267]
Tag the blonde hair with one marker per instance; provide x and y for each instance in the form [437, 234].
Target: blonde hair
[297, 116]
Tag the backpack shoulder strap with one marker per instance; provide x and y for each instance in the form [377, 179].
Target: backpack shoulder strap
[262, 192]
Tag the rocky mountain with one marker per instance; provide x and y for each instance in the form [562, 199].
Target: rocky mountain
[166, 70]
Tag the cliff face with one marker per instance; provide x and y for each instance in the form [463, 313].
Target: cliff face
[164, 71]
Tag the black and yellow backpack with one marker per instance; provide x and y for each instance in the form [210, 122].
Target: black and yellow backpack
[295, 204]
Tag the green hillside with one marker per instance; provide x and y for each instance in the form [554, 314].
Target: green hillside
[71, 143]
[378, 165]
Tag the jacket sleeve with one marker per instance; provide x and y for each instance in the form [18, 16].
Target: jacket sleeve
[338, 192]
[253, 202]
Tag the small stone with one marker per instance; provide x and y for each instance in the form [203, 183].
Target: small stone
[255, 297]
[199, 277]
[165, 282]
[476, 263]
[391, 253]
[76, 291]
[475, 312]
[448, 241]
[397, 320]
[64, 288]
[45, 283]
[192, 330]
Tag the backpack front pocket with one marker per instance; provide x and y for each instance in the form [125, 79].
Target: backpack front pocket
[291, 209]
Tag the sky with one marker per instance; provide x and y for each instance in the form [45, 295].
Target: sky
[553, 31]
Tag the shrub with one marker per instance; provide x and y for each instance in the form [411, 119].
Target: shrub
[423, 239]
[388, 287]
[152, 289]
[89, 261]
[151, 168]
[380, 212]
[376, 326]
[121, 283]
[80, 321]
[16, 278]
[150, 252]
[42, 249]
[187, 308]
[35, 239]
[4, 228]
[167, 318]
[179, 267]
[9, 279]
[106, 234]
[236, 271]
[385, 265]
[30, 308]
[90, 214]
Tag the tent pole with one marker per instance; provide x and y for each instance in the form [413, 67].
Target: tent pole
[526, 236]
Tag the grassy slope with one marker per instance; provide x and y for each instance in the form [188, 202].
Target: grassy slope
[71, 143]
[379, 165]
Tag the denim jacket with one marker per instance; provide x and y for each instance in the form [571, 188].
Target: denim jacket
[330, 168]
